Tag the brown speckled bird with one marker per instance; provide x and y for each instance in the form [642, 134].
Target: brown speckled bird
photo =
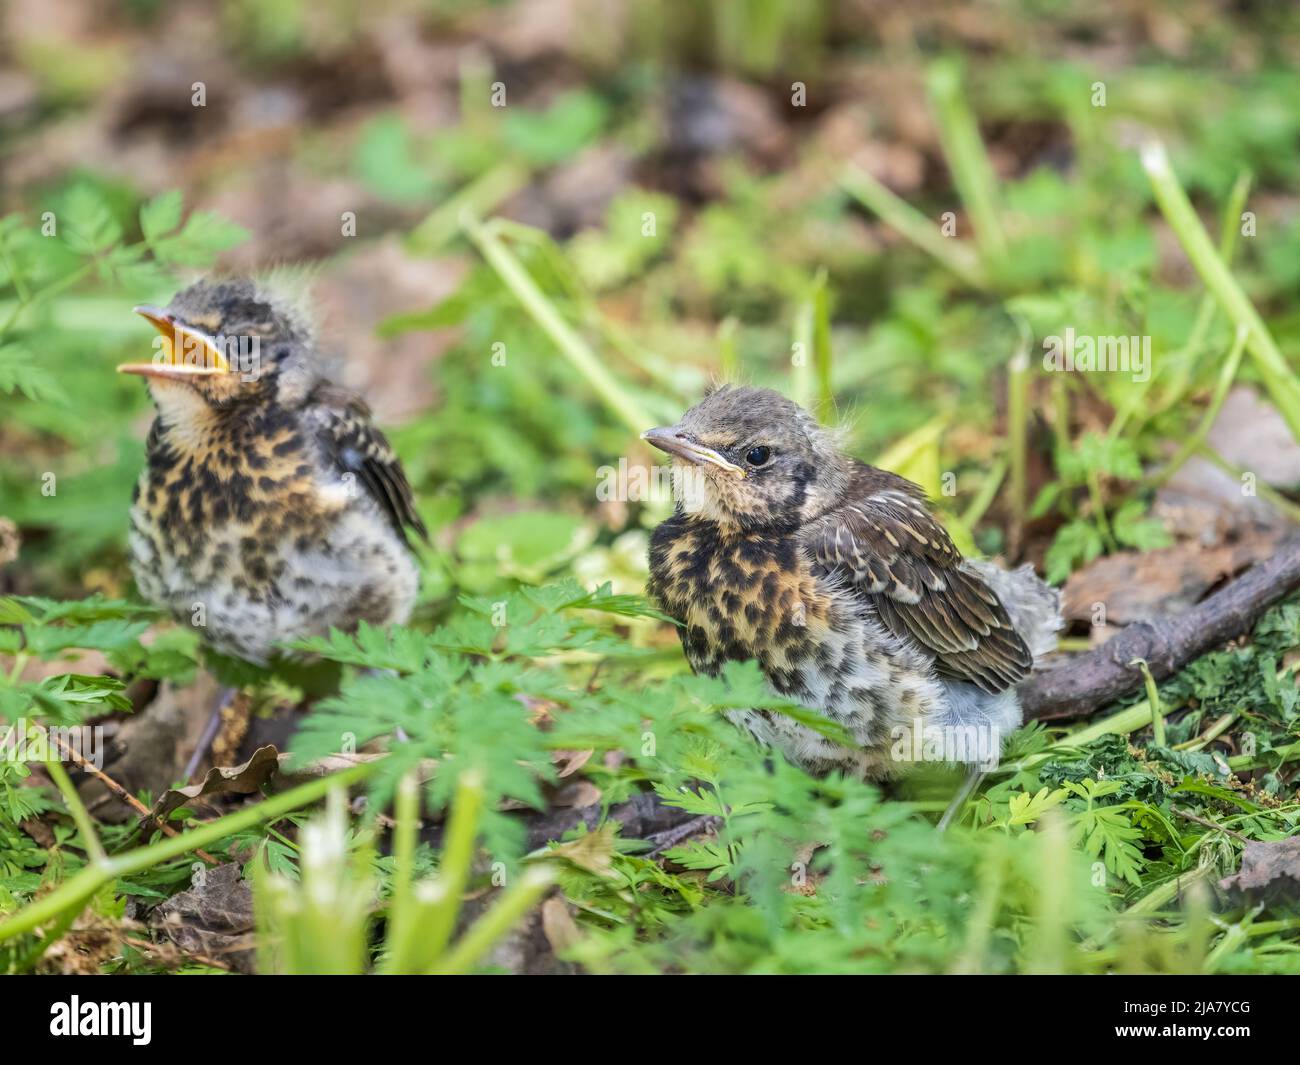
[836, 578]
[271, 507]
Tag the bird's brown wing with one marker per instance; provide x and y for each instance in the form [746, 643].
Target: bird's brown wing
[348, 436]
[884, 540]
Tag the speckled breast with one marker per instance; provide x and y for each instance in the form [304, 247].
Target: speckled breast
[739, 596]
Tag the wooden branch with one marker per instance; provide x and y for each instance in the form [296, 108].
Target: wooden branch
[1081, 685]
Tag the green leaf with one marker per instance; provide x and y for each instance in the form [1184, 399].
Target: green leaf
[1077, 541]
[1133, 529]
[161, 215]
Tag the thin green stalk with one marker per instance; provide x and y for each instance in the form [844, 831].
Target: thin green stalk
[401, 910]
[1047, 945]
[1233, 937]
[1185, 370]
[479, 196]
[728, 358]
[1153, 699]
[906, 220]
[496, 922]
[86, 827]
[1211, 734]
[821, 347]
[1240, 763]
[476, 108]
[572, 346]
[1226, 376]
[1099, 519]
[1060, 414]
[1018, 435]
[457, 858]
[801, 370]
[1281, 382]
[987, 493]
[964, 149]
[76, 891]
[48, 292]
[1268, 928]
[15, 276]
[1265, 491]
[1160, 897]
[979, 928]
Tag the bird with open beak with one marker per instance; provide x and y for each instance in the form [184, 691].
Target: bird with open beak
[838, 581]
[271, 508]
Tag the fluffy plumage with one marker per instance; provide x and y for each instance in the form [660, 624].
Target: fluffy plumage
[271, 507]
[836, 578]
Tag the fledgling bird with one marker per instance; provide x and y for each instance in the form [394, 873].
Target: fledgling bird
[271, 508]
[836, 578]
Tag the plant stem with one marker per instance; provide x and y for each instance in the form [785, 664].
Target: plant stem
[80, 888]
[801, 382]
[964, 149]
[480, 196]
[1242, 762]
[406, 817]
[901, 216]
[821, 347]
[1224, 383]
[1266, 492]
[728, 359]
[89, 838]
[578, 352]
[987, 493]
[1281, 382]
[496, 922]
[1018, 437]
[1153, 698]
[1209, 735]
[457, 857]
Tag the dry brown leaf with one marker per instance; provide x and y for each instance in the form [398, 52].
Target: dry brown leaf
[10, 541]
[1271, 867]
[1142, 585]
[569, 762]
[558, 925]
[213, 918]
[150, 749]
[220, 780]
[593, 851]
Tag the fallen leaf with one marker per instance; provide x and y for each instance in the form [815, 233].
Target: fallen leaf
[235, 780]
[150, 749]
[213, 918]
[559, 926]
[569, 762]
[593, 851]
[1269, 867]
[1142, 585]
[10, 541]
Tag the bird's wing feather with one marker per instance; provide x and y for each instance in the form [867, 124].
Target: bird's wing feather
[894, 552]
[348, 435]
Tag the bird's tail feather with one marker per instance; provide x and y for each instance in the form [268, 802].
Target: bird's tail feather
[1033, 606]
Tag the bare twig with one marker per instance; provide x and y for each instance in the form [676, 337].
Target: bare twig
[126, 797]
[1089, 682]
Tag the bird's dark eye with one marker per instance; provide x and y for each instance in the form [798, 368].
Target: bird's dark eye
[758, 455]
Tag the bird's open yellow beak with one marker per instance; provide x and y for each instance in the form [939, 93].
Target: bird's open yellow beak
[186, 352]
[676, 442]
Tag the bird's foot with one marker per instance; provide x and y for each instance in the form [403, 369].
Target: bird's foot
[967, 789]
[224, 698]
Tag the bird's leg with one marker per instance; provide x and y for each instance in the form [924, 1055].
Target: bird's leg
[210, 730]
[967, 788]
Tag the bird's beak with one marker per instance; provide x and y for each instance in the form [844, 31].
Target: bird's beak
[185, 355]
[676, 442]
